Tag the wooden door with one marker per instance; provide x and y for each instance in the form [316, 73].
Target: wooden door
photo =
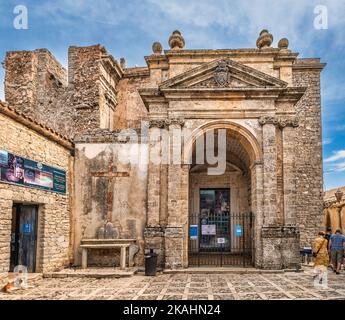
[24, 239]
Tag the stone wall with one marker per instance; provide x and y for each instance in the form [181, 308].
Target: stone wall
[54, 209]
[38, 86]
[35, 84]
[99, 199]
[131, 109]
[308, 142]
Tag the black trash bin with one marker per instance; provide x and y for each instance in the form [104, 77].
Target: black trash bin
[151, 264]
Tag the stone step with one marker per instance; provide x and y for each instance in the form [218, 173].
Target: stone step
[226, 270]
[92, 273]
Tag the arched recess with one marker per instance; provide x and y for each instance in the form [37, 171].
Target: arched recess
[243, 156]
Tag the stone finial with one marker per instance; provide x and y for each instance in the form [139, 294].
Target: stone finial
[123, 63]
[157, 48]
[265, 40]
[176, 41]
[283, 44]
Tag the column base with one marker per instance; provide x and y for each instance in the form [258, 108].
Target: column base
[280, 247]
[154, 239]
[174, 247]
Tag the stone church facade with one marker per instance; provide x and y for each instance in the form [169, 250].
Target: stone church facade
[265, 99]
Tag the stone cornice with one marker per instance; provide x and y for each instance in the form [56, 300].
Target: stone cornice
[279, 122]
[157, 62]
[308, 64]
[136, 72]
[112, 66]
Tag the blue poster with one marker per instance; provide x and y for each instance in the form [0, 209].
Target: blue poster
[194, 232]
[25, 172]
[238, 231]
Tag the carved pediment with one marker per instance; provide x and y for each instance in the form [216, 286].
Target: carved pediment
[223, 74]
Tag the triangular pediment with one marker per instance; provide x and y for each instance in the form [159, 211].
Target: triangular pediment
[224, 73]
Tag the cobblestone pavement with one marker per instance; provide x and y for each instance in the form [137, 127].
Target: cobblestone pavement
[284, 286]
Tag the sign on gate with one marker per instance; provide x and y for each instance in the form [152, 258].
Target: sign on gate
[194, 234]
[209, 230]
[221, 240]
[238, 231]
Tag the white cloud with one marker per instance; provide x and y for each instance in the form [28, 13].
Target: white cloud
[339, 155]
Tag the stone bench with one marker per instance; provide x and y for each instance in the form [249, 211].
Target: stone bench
[107, 244]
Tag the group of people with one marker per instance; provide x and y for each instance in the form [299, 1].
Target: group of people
[328, 251]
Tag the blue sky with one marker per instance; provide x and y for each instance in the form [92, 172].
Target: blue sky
[129, 27]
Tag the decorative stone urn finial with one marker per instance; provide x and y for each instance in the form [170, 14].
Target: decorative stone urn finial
[283, 44]
[123, 63]
[157, 48]
[265, 39]
[176, 41]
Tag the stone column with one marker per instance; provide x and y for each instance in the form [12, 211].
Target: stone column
[280, 241]
[290, 245]
[174, 232]
[257, 210]
[154, 234]
[270, 191]
[270, 236]
[289, 176]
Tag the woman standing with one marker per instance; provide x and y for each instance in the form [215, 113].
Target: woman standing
[321, 256]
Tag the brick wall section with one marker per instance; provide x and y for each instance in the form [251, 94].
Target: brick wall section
[309, 170]
[54, 209]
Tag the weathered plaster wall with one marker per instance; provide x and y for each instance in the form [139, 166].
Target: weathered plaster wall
[128, 200]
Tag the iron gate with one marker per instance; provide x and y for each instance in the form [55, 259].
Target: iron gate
[221, 239]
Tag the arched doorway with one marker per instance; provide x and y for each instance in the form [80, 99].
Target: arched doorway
[221, 206]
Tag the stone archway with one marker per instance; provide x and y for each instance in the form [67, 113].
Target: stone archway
[239, 183]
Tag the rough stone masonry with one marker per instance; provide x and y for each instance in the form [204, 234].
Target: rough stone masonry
[266, 98]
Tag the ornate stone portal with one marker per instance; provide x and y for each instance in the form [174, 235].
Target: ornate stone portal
[267, 101]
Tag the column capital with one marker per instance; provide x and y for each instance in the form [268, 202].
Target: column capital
[166, 123]
[279, 122]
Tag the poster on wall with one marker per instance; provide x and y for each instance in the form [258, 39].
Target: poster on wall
[25, 172]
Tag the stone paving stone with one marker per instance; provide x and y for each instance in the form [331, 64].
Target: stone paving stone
[266, 289]
[224, 297]
[221, 290]
[148, 297]
[198, 284]
[276, 296]
[153, 290]
[197, 290]
[250, 296]
[243, 289]
[197, 297]
[173, 297]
